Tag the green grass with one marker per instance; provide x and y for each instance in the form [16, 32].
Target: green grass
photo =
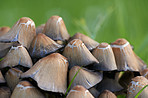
[140, 91]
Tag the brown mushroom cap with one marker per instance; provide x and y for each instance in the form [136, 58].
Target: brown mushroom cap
[5, 92]
[2, 80]
[56, 29]
[79, 92]
[23, 32]
[25, 90]
[13, 77]
[40, 28]
[85, 77]
[43, 45]
[50, 73]
[107, 94]
[78, 54]
[89, 43]
[17, 55]
[125, 57]
[136, 85]
[105, 56]
[4, 30]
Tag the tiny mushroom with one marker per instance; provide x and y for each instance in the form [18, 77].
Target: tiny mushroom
[78, 54]
[89, 43]
[85, 77]
[107, 94]
[79, 92]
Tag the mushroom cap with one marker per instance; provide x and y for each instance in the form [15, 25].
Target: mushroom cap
[136, 85]
[43, 45]
[125, 57]
[109, 84]
[26, 90]
[50, 73]
[79, 92]
[2, 80]
[78, 54]
[17, 55]
[23, 32]
[107, 94]
[105, 56]
[40, 28]
[13, 77]
[4, 30]
[5, 92]
[56, 29]
[85, 77]
[89, 43]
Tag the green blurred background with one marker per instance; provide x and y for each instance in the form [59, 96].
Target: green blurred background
[102, 20]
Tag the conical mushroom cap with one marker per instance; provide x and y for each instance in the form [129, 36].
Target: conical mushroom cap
[40, 28]
[125, 57]
[50, 73]
[89, 43]
[144, 73]
[13, 77]
[105, 56]
[17, 55]
[4, 30]
[56, 29]
[43, 45]
[5, 92]
[107, 94]
[136, 85]
[109, 84]
[79, 92]
[85, 77]
[78, 54]
[23, 32]
[2, 80]
[26, 90]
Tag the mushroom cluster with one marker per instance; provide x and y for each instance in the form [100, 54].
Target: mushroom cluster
[42, 62]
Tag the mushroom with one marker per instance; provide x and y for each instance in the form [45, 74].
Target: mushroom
[13, 77]
[89, 43]
[50, 73]
[56, 29]
[43, 45]
[85, 77]
[78, 54]
[26, 90]
[107, 94]
[40, 28]
[125, 58]
[79, 92]
[2, 80]
[5, 92]
[109, 84]
[136, 85]
[17, 55]
[144, 73]
[4, 30]
[23, 32]
[105, 56]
